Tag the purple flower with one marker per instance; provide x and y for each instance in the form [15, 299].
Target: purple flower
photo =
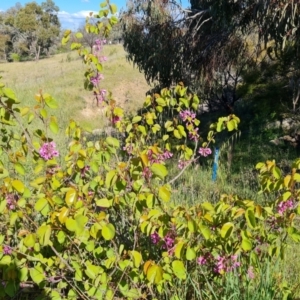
[116, 119]
[48, 151]
[7, 250]
[10, 201]
[182, 163]
[158, 158]
[155, 238]
[283, 206]
[128, 148]
[205, 151]
[187, 116]
[193, 135]
[224, 264]
[96, 79]
[220, 267]
[201, 260]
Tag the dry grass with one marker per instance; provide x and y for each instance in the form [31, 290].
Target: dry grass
[62, 77]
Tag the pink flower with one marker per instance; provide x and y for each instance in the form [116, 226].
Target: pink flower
[155, 238]
[201, 260]
[187, 115]
[48, 151]
[7, 250]
[128, 148]
[10, 201]
[182, 163]
[205, 151]
[284, 206]
[116, 119]
[193, 135]
[96, 79]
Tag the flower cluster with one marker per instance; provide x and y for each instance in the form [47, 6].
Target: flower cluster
[205, 151]
[225, 265]
[182, 163]
[187, 116]
[10, 201]
[284, 206]
[100, 95]
[7, 250]
[48, 151]
[128, 148]
[193, 134]
[167, 243]
[222, 264]
[160, 157]
[155, 238]
[96, 79]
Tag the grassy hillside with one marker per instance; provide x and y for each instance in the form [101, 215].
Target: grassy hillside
[62, 77]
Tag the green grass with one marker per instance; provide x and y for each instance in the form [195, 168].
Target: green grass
[62, 77]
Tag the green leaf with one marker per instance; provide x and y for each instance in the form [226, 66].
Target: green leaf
[79, 35]
[250, 217]
[92, 271]
[190, 253]
[103, 4]
[205, 231]
[10, 94]
[11, 288]
[155, 274]
[18, 186]
[159, 170]
[113, 8]
[108, 231]
[231, 125]
[5, 260]
[179, 269]
[29, 240]
[177, 134]
[110, 177]
[137, 258]
[50, 102]
[54, 126]
[226, 230]
[164, 193]
[71, 197]
[65, 40]
[19, 168]
[44, 233]
[103, 203]
[37, 274]
[136, 119]
[246, 244]
[111, 141]
[76, 225]
[43, 206]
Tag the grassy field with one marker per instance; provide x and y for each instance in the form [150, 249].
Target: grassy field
[62, 77]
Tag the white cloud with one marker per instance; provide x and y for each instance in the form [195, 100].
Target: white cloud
[86, 1]
[75, 20]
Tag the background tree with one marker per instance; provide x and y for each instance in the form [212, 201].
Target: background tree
[211, 44]
[32, 29]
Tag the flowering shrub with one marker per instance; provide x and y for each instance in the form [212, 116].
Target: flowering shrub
[101, 224]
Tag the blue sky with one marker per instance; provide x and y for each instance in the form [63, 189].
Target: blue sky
[73, 12]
